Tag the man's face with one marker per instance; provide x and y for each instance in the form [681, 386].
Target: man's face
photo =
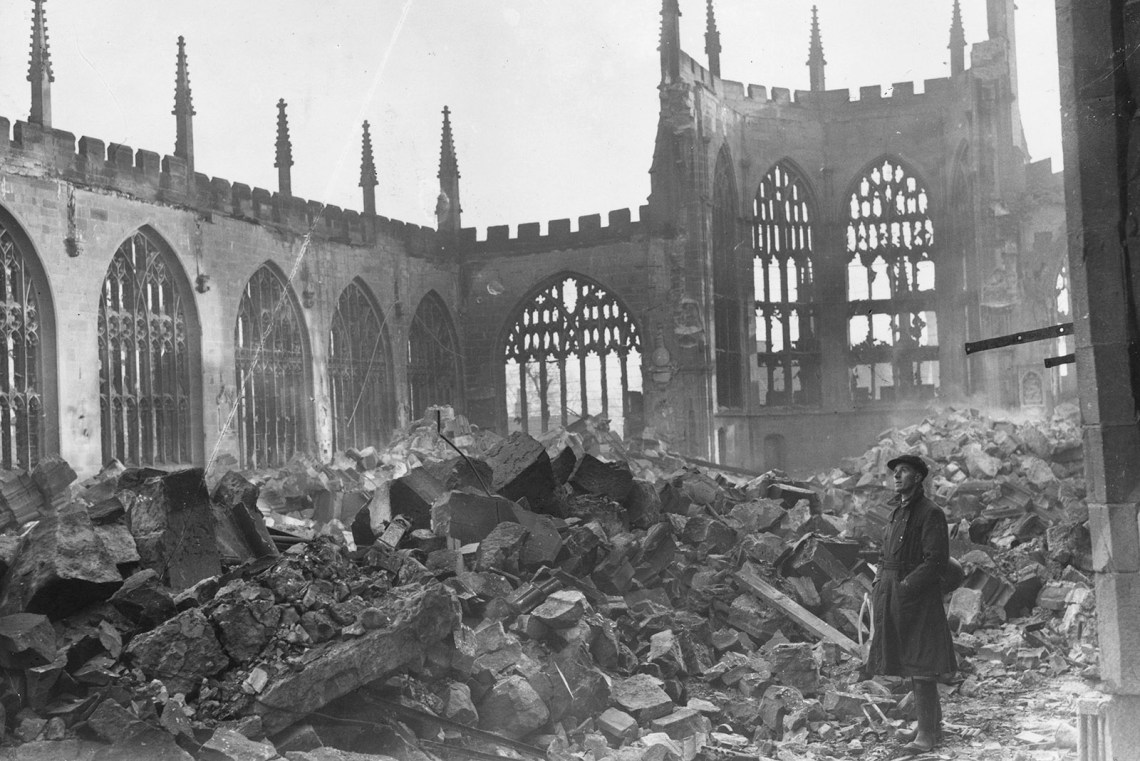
[907, 478]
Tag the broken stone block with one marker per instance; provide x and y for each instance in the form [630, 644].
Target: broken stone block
[457, 705]
[27, 640]
[143, 600]
[758, 516]
[617, 725]
[643, 505]
[502, 548]
[173, 525]
[468, 516]
[245, 623]
[979, 464]
[179, 652]
[794, 665]
[53, 476]
[413, 495]
[461, 473]
[708, 534]
[561, 610]
[642, 697]
[116, 537]
[336, 668]
[111, 721]
[61, 567]
[522, 468]
[1054, 595]
[513, 708]
[608, 479]
[228, 745]
[843, 705]
[682, 723]
[239, 496]
[966, 611]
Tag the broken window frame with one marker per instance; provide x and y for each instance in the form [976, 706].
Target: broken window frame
[552, 337]
[728, 316]
[23, 408]
[889, 221]
[783, 216]
[434, 360]
[362, 391]
[147, 333]
[271, 362]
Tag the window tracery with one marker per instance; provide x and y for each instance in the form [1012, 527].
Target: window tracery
[787, 349]
[892, 321]
[145, 362]
[361, 388]
[433, 357]
[271, 358]
[21, 360]
[573, 352]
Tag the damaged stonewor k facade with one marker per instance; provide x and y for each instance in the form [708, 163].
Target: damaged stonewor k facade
[202, 376]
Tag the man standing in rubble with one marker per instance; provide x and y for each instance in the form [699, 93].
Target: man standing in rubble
[912, 638]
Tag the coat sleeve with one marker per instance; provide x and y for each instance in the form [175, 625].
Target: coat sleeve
[935, 541]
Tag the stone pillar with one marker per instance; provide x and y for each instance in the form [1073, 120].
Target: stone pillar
[1095, 84]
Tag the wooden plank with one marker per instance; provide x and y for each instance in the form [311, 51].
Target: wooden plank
[748, 576]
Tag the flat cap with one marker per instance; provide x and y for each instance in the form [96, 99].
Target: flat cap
[912, 460]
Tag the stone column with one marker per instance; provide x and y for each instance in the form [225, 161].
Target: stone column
[1104, 256]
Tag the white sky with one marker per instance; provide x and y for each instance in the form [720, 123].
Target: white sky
[554, 102]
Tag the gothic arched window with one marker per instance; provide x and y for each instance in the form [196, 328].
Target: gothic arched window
[360, 372]
[271, 358]
[21, 357]
[572, 352]
[892, 323]
[147, 357]
[728, 319]
[782, 245]
[433, 357]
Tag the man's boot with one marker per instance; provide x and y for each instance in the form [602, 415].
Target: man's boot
[927, 705]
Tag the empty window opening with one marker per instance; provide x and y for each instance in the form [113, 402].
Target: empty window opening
[360, 372]
[21, 360]
[271, 360]
[728, 315]
[433, 357]
[572, 352]
[787, 345]
[145, 359]
[892, 323]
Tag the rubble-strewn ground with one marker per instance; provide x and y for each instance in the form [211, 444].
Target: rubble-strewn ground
[460, 594]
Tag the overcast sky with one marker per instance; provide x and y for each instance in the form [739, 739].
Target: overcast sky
[554, 102]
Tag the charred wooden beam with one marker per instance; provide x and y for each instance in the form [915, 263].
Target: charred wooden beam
[1025, 336]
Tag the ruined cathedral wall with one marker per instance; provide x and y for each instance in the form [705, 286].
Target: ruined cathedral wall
[502, 274]
[77, 202]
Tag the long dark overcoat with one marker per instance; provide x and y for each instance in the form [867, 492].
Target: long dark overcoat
[912, 637]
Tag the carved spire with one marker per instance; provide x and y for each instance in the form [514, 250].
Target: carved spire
[284, 161]
[712, 40]
[183, 111]
[368, 172]
[957, 41]
[670, 47]
[816, 62]
[447, 208]
[39, 70]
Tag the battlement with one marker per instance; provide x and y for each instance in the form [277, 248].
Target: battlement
[529, 238]
[899, 93]
[145, 175]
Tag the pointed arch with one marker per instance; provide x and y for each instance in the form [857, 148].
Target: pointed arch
[272, 360]
[150, 361]
[28, 402]
[361, 385]
[572, 350]
[783, 247]
[434, 367]
[892, 315]
[728, 315]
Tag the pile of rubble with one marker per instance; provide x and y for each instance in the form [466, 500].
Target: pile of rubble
[575, 597]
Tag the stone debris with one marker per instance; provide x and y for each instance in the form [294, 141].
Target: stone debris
[574, 595]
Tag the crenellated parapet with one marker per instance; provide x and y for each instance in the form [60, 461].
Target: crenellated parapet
[750, 96]
[30, 149]
[528, 238]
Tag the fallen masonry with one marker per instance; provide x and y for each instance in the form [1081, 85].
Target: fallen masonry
[574, 596]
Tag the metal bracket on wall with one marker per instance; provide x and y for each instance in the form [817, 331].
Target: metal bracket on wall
[1026, 336]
